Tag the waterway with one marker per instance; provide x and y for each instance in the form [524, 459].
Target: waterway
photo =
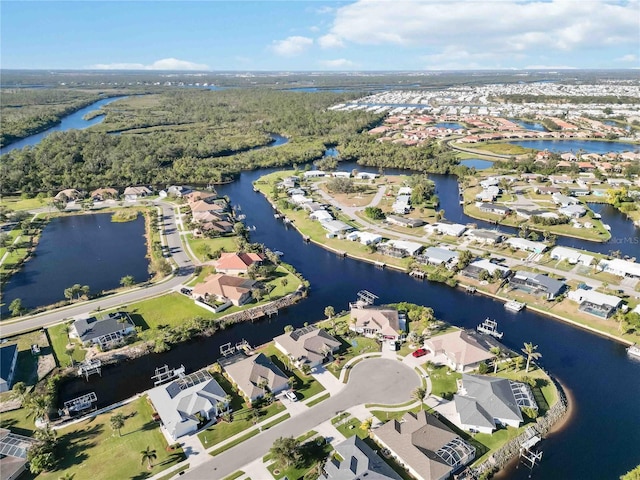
[595, 444]
[538, 127]
[72, 121]
[587, 146]
[476, 163]
[85, 249]
[452, 125]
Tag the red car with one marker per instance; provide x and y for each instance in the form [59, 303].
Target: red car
[421, 352]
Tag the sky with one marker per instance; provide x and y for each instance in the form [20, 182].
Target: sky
[316, 35]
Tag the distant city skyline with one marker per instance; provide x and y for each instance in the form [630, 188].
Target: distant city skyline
[363, 35]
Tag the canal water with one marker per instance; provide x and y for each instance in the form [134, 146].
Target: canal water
[587, 146]
[538, 127]
[603, 381]
[85, 249]
[73, 121]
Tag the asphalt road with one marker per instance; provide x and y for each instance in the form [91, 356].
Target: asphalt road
[376, 380]
[174, 249]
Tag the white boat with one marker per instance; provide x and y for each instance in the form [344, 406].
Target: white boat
[514, 306]
[489, 327]
[634, 351]
[606, 227]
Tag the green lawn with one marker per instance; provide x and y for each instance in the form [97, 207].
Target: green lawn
[351, 347]
[27, 363]
[443, 385]
[248, 435]
[205, 271]
[59, 342]
[243, 418]
[172, 309]
[351, 427]
[383, 416]
[18, 203]
[93, 451]
[316, 401]
[201, 246]
[18, 421]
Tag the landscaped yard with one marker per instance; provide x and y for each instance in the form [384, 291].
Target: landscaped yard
[313, 452]
[202, 246]
[305, 385]
[443, 381]
[59, 342]
[92, 450]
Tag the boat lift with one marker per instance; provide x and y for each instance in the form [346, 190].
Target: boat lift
[163, 374]
[365, 298]
[89, 368]
[81, 403]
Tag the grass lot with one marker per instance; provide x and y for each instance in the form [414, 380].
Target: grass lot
[18, 203]
[243, 418]
[18, 421]
[27, 363]
[305, 385]
[199, 246]
[499, 148]
[59, 342]
[205, 271]
[93, 451]
[172, 309]
[443, 381]
[312, 455]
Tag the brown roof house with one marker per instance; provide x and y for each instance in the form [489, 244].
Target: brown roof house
[461, 351]
[236, 263]
[224, 288]
[255, 375]
[376, 321]
[101, 194]
[307, 346]
[425, 446]
[68, 195]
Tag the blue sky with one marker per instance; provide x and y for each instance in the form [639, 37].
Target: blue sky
[318, 35]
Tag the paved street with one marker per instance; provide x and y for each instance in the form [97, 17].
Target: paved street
[376, 380]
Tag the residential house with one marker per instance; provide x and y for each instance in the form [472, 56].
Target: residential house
[184, 403]
[526, 245]
[254, 375]
[132, 194]
[377, 322]
[365, 238]
[489, 237]
[405, 222]
[595, 303]
[8, 359]
[474, 269]
[425, 446]
[461, 351]
[199, 196]
[537, 284]
[314, 174]
[400, 248]
[178, 191]
[622, 268]
[237, 263]
[13, 453]
[299, 199]
[366, 176]
[483, 403]
[564, 200]
[572, 256]
[446, 228]
[439, 256]
[573, 211]
[106, 332]
[336, 227]
[102, 194]
[68, 195]
[356, 461]
[321, 216]
[221, 287]
[310, 345]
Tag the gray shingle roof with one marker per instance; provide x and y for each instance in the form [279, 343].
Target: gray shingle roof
[7, 352]
[493, 395]
[247, 373]
[359, 462]
[91, 328]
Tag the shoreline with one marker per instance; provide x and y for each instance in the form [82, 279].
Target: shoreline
[344, 254]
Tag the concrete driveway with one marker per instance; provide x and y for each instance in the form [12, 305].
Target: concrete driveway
[374, 380]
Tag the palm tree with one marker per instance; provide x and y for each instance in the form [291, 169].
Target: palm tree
[67, 476]
[69, 351]
[620, 317]
[366, 424]
[37, 405]
[419, 394]
[117, 422]
[497, 351]
[148, 455]
[530, 351]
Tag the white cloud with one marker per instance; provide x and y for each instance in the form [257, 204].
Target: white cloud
[548, 67]
[291, 46]
[507, 27]
[338, 63]
[628, 58]
[330, 41]
[164, 64]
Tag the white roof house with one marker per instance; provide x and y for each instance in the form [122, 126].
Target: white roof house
[178, 402]
[411, 248]
[365, 238]
[366, 176]
[300, 199]
[490, 267]
[405, 191]
[570, 255]
[574, 211]
[438, 256]
[622, 268]
[314, 174]
[321, 216]
[341, 174]
[595, 303]
[526, 245]
[452, 229]
[335, 227]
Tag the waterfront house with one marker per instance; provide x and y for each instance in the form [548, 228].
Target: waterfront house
[573, 211]
[439, 256]
[68, 195]
[336, 227]
[237, 263]
[622, 268]
[446, 228]
[106, 332]
[461, 351]
[355, 459]
[299, 199]
[595, 303]
[405, 222]
[178, 191]
[537, 284]
[483, 403]
[424, 445]
[572, 256]
[564, 200]
[13, 453]
[222, 288]
[526, 245]
[8, 359]
[321, 216]
[254, 375]
[365, 238]
[314, 174]
[102, 194]
[489, 237]
[474, 269]
[182, 404]
[376, 322]
[310, 346]
[198, 196]
[400, 248]
[131, 194]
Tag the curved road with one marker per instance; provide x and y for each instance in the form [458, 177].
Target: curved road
[376, 380]
[175, 250]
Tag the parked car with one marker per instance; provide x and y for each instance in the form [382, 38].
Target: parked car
[290, 394]
[421, 352]
[185, 291]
